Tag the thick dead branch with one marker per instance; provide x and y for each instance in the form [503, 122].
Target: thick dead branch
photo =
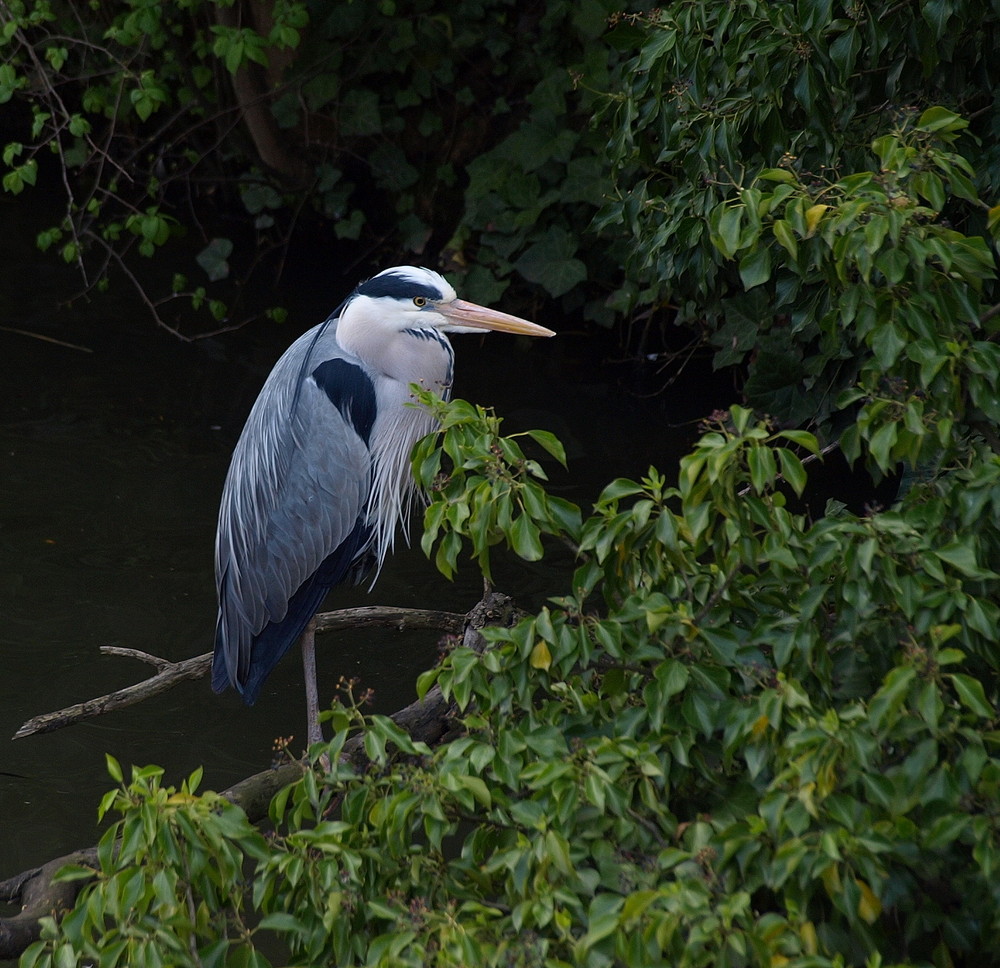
[169, 673]
[385, 616]
[40, 897]
[429, 720]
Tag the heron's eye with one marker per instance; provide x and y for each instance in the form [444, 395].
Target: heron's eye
[420, 301]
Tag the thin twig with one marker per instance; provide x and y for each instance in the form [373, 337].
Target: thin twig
[47, 339]
[153, 660]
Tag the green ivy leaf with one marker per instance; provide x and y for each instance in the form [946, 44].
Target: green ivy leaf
[525, 538]
[551, 262]
[214, 259]
[961, 554]
[755, 267]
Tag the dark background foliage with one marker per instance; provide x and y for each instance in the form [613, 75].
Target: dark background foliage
[459, 137]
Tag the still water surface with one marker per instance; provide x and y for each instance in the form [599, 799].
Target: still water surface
[111, 465]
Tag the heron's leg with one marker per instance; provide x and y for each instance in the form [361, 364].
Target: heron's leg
[313, 732]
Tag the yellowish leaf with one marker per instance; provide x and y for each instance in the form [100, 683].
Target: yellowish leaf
[541, 658]
[813, 214]
[810, 942]
[826, 780]
[869, 906]
[831, 880]
[806, 797]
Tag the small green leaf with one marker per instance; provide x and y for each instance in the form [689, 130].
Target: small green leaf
[283, 922]
[939, 118]
[776, 175]
[892, 263]
[113, 767]
[887, 342]
[525, 538]
[213, 258]
[961, 554]
[928, 185]
[755, 267]
[881, 445]
[763, 468]
[792, 470]
[551, 262]
[785, 234]
[617, 489]
[890, 697]
[971, 694]
[550, 443]
[726, 222]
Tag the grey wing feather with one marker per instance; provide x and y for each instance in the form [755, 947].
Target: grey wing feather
[298, 482]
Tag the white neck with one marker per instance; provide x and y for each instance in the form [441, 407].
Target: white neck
[395, 358]
[411, 351]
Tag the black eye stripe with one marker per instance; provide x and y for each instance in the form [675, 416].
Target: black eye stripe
[397, 287]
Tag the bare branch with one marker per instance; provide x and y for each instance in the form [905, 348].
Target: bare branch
[170, 673]
[386, 616]
[167, 678]
[153, 660]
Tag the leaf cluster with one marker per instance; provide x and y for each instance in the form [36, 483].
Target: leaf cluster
[858, 294]
[482, 487]
[134, 104]
[844, 117]
[169, 886]
[445, 136]
[759, 739]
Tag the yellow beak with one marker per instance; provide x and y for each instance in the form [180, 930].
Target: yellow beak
[473, 316]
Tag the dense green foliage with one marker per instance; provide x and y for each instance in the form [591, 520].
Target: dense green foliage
[878, 298]
[442, 136]
[738, 738]
[736, 114]
[164, 892]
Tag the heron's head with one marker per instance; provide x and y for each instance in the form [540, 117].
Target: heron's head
[407, 298]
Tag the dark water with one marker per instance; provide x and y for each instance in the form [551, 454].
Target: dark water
[111, 464]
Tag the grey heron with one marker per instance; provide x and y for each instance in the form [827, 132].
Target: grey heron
[320, 476]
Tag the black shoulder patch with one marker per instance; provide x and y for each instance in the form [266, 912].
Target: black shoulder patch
[396, 286]
[351, 391]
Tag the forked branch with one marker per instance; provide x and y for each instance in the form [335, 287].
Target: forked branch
[170, 673]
